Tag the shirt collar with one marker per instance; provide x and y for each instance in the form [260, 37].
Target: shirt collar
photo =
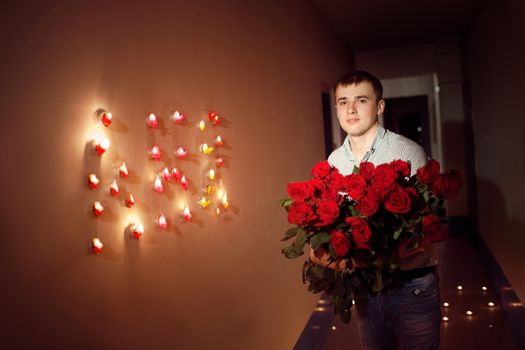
[380, 134]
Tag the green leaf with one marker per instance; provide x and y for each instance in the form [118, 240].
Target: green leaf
[300, 240]
[397, 233]
[285, 203]
[318, 239]
[356, 170]
[290, 233]
[291, 252]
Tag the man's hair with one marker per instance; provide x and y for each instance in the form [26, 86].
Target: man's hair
[359, 76]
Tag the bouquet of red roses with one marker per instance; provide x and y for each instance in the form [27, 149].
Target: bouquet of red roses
[363, 217]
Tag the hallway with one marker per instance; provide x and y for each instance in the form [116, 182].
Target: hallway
[487, 328]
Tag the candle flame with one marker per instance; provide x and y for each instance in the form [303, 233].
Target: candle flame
[184, 182]
[186, 213]
[152, 121]
[166, 174]
[204, 148]
[130, 201]
[162, 221]
[158, 185]
[137, 229]
[93, 181]
[106, 118]
[211, 174]
[155, 152]
[218, 141]
[114, 188]
[210, 189]
[96, 245]
[202, 125]
[204, 202]
[219, 161]
[182, 152]
[123, 170]
[225, 203]
[178, 117]
[97, 208]
[214, 117]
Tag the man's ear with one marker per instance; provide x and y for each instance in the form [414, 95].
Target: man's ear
[380, 107]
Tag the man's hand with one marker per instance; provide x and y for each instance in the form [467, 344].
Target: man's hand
[322, 257]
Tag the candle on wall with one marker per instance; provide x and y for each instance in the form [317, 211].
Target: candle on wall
[176, 174]
[155, 153]
[210, 189]
[162, 222]
[97, 208]
[186, 213]
[96, 245]
[204, 148]
[218, 141]
[106, 117]
[123, 171]
[202, 125]
[152, 121]
[137, 230]
[211, 174]
[225, 203]
[213, 117]
[101, 145]
[166, 174]
[184, 182]
[178, 117]
[219, 161]
[157, 186]
[204, 202]
[113, 189]
[93, 181]
[130, 200]
[182, 152]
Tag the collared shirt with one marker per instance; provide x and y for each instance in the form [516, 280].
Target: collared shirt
[387, 146]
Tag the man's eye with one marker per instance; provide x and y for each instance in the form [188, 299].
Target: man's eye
[342, 103]
[363, 100]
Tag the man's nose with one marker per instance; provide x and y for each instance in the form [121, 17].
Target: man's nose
[351, 107]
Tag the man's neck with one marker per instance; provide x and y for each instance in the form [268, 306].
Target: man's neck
[362, 143]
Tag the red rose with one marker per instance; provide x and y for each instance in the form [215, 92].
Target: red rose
[327, 212]
[299, 190]
[340, 242]
[428, 173]
[367, 170]
[300, 213]
[401, 167]
[317, 186]
[448, 184]
[434, 228]
[385, 175]
[321, 170]
[367, 206]
[330, 194]
[336, 181]
[377, 191]
[355, 186]
[360, 231]
[398, 201]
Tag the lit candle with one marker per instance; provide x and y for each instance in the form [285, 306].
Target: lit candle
[219, 142]
[155, 153]
[93, 181]
[105, 117]
[445, 304]
[469, 313]
[186, 213]
[137, 230]
[211, 174]
[445, 319]
[182, 152]
[101, 145]
[175, 173]
[178, 117]
[166, 174]
[210, 189]
[484, 288]
[152, 121]
[184, 182]
[202, 125]
[157, 186]
[219, 161]
[491, 304]
[218, 211]
[204, 148]
[130, 201]
[96, 245]
[97, 208]
[162, 221]
[204, 202]
[113, 189]
[123, 171]
[460, 287]
[214, 117]
[225, 203]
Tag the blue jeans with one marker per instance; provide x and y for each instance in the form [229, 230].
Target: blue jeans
[405, 318]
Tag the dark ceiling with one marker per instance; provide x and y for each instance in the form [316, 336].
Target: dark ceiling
[373, 24]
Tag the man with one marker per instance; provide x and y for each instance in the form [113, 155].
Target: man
[403, 318]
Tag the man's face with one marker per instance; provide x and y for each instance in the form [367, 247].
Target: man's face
[357, 108]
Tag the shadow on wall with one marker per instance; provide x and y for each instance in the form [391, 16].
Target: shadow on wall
[503, 236]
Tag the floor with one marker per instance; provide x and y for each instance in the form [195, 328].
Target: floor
[487, 327]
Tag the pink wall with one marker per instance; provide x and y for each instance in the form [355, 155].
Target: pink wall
[495, 64]
[214, 283]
